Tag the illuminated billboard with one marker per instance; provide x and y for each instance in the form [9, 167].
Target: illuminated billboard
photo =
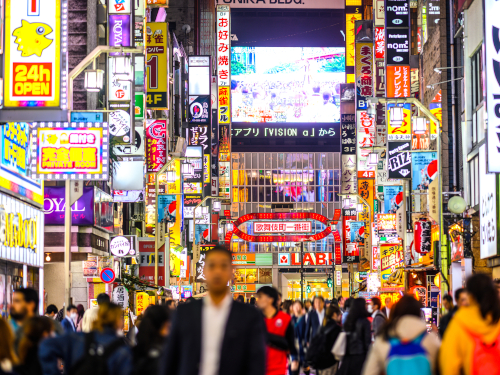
[33, 60]
[78, 150]
[286, 84]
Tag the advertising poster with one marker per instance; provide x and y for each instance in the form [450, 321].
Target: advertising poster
[157, 65]
[398, 81]
[156, 145]
[33, 61]
[436, 109]
[357, 231]
[366, 190]
[190, 202]
[139, 106]
[199, 109]
[386, 225]
[119, 6]
[78, 151]
[202, 234]
[397, 45]
[424, 169]
[15, 151]
[399, 159]
[488, 208]
[393, 198]
[392, 262]
[286, 84]
[400, 132]
[420, 139]
[120, 125]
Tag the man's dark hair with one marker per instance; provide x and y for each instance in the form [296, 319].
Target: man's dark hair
[448, 298]
[318, 297]
[221, 250]
[70, 307]
[30, 295]
[334, 302]
[332, 309]
[458, 292]
[240, 298]
[252, 301]
[51, 309]
[270, 292]
[170, 302]
[102, 299]
[376, 301]
[340, 298]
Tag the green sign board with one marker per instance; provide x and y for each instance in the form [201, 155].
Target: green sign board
[139, 106]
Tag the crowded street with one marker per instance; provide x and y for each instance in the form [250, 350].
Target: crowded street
[249, 187]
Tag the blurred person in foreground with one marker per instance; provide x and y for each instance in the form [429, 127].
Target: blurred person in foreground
[359, 337]
[90, 316]
[8, 358]
[471, 343]
[403, 346]
[24, 306]
[216, 335]
[101, 351]
[299, 324]
[280, 333]
[347, 306]
[36, 330]
[150, 338]
[319, 354]
[462, 299]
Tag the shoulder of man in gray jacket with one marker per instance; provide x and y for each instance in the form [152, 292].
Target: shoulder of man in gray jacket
[408, 328]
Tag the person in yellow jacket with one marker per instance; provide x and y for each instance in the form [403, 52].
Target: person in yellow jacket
[467, 344]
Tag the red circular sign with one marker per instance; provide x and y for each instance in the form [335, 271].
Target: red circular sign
[120, 94]
[107, 275]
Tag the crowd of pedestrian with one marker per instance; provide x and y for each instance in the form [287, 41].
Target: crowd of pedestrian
[219, 335]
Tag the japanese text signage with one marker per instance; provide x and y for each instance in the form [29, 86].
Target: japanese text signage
[398, 81]
[157, 66]
[156, 145]
[82, 151]
[15, 151]
[488, 209]
[364, 73]
[386, 225]
[199, 89]
[223, 38]
[348, 126]
[119, 6]
[284, 227]
[379, 42]
[349, 176]
[392, 260]
[310, 259]
[492, 81]
[397, 46]
[397, 13]
[33, 60]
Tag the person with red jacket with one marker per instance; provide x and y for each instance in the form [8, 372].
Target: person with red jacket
[280, 333]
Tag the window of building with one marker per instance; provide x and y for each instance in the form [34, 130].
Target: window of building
[474, 181]
[477, 96]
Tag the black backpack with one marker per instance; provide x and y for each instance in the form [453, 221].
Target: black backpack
[319, 356]
[95, 358]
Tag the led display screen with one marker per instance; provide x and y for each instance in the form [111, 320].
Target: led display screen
[286, 84]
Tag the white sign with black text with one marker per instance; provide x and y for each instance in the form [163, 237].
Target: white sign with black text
[487, 208]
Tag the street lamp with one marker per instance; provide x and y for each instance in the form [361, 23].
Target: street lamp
[121, 66]
[359, 207]
[94, 80]
[346, 203]
[397, 116]
[171, 176]
[419, 125]
[372, 158]
[216, 205]
[187, 169]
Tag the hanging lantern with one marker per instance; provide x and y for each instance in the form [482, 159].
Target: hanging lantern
[187, 169]
[373, 158]
[121, 66]
[216, 205]
[419, 125]
[422, 232]
[171, 176]
[397, 116]
[94, 80]
[360, 207]
[346, 203]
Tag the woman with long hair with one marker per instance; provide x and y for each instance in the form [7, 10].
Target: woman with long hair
[8, 358]
[405, 326]
[358, 338]
[80, 311]
[74, 348]
[151, 337]
[471, 343]
[35, 331]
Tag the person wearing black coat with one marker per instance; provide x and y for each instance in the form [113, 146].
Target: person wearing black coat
[333, 317]
[359, 338]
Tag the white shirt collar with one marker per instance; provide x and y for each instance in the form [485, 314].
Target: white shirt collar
[225, 303]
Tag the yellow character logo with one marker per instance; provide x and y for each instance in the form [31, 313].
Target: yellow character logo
[31, 38]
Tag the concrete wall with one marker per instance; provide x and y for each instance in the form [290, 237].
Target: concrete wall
[54, 284]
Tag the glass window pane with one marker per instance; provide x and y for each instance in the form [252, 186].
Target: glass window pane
[267, 161]
[274, 161]
[262, 178]
[336, 177]
[268, 177]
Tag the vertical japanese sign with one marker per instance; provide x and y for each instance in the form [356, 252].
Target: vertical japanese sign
[348, 126]
[365, 142]
[33, 60]
[398, 81]
[379, 42]
[492, 67]
[199, 90]
[350, 19]
[399, 132]
[351, 251]
[157, 65]
[392, 260]
[156, 145]
[223, 44]
[349, 177]
[364, 73]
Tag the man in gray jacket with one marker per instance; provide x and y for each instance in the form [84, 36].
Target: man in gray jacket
[378, 316]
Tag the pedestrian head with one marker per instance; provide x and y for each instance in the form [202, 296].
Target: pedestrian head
[335, 302]
[109, 317]
[356, 311]
[170, 304]
[287, 306]
[102, 299]
[35, 331]
[154, 328]
[448, 302]
[388, 302]
[333, 313]
[80, 310]
[298, 308]
[267, 297]
[6, 343]
[376, 303]
[252, 301]
[461, 297]
[51, 311]
[348, 303]
[341, 302]
[319, 303]
[24, 304]
[280, 298]
[240, 299]
[218, 269]
[483, 292]
[71, 311]
[406, 306]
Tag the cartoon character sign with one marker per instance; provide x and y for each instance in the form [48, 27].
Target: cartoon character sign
[33, 60]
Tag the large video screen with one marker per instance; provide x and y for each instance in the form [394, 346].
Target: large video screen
[286, 84]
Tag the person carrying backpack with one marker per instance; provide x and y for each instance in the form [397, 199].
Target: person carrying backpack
[99, 352]
[471, 343]
[403, 346]
[319, 354]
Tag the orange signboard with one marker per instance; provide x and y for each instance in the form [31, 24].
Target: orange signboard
[398, 81]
